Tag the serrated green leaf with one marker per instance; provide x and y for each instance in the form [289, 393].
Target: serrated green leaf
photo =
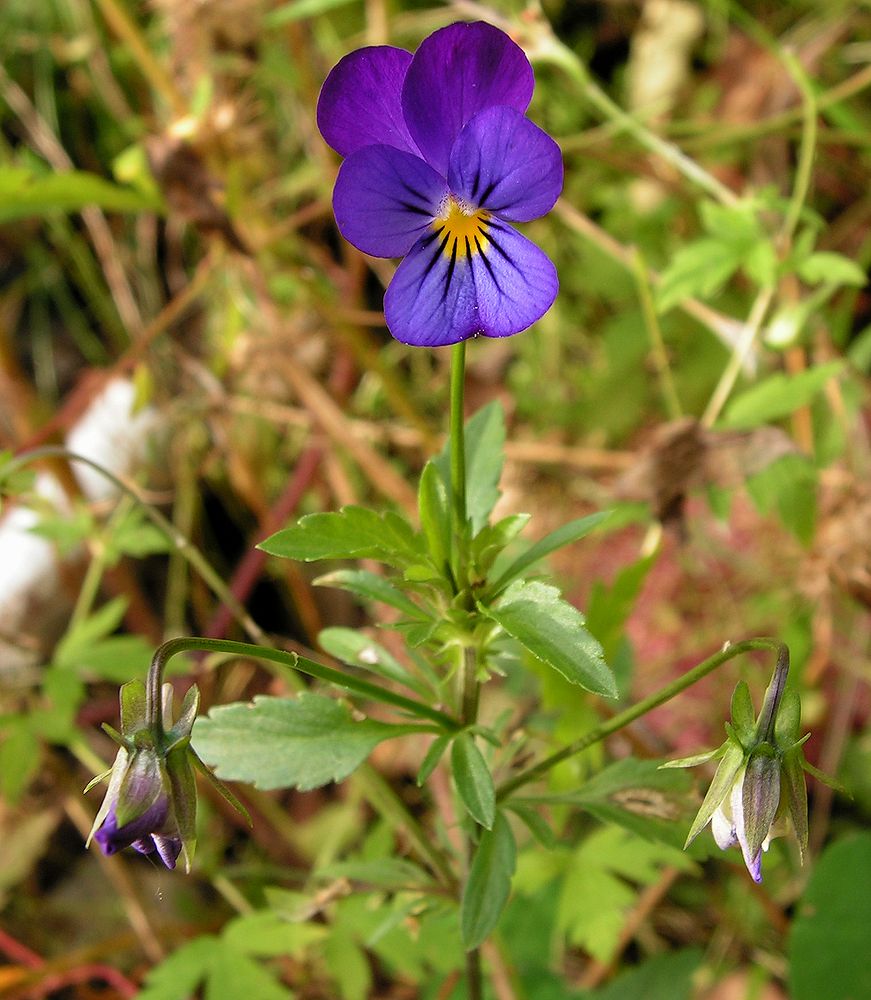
[302, 742]
[473, 780]
[485, 456]
[435, 516]
[565, 535]
[356, 648]
[24, 194]
[778, 396]
[553, 631]
[350, 533]
[489, 884]
[370, 587]
[825, 267]
[700, 268]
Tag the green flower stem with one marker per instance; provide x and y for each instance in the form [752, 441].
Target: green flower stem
[623, 719]
[458, 464]
[386, 802]
[471, 687]
[178, 541]
[290, 660]
[553, 51]
[771, 701]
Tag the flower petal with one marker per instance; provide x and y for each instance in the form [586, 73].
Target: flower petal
[385, 199]
[504, 163]
[360, 101]
[431, 300]
[445, 292]
[515, 282]
[457, 72]
[723, 829]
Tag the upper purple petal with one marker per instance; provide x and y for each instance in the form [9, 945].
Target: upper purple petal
[360, 101]
[457, 72]
[385, 199]
[445, 292]
[504, 163]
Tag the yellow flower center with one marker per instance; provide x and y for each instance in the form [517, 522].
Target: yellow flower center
[463, 229]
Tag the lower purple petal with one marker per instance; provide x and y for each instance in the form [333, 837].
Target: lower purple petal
[515, 282]
[449, 289]
[385, 199]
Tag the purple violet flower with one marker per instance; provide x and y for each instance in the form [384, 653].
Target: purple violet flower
[439, 161]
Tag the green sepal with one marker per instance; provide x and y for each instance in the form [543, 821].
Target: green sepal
[185, 722]
[697, 758]
[743, 717]
[721, 786]
[794, 790]
[133, 707]
[220, 787]
[96, 781]
[826, 779]
[184, 799]
[114, 735]
[788, 721]
[116, 775]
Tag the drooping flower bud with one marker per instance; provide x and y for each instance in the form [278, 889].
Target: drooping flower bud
[151, 802]
[758, 791]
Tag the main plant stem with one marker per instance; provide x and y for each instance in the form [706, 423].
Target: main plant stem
[459, 562]
[642, 708]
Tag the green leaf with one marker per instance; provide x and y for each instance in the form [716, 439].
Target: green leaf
[370, 587]
[489, 884]
[297, 10]
[473, 780]
[535, 823]
[825, 267]
[350, 533]
[176, 978]
[665, 977]
[265, 933]
[828, 943]
[24, 194]
[88, 631]
[117, 659]
[789, 486]
[641, 797]
[435, 516]
[568, 533]
[235, 975]
[492, 539]
[386, 873]
[348, 965]
[778, 396]
[553, 631]
[700, 268]
[432, 757]
[301, 742]
[356, 648]
[485, 456]
[19, 758]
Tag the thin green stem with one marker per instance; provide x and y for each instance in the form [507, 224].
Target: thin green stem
[291, 661]
[807, 148]
[391, 807]
[458, 464]
[657, 344]
[560, 55]
[470, 686]
[178, 540]
[474, 979]
[644, 706]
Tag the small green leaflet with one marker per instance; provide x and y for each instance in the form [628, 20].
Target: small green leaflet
[302, 742]
[356, 648]
[473, 780]
[553, 631]
[370, 587]
[350, 533]
[489, 884]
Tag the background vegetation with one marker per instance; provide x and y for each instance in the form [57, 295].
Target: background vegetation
[176, 304]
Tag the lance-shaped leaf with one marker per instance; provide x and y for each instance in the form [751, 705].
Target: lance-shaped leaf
[473, 780]
[489, 883]
[302, 742]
